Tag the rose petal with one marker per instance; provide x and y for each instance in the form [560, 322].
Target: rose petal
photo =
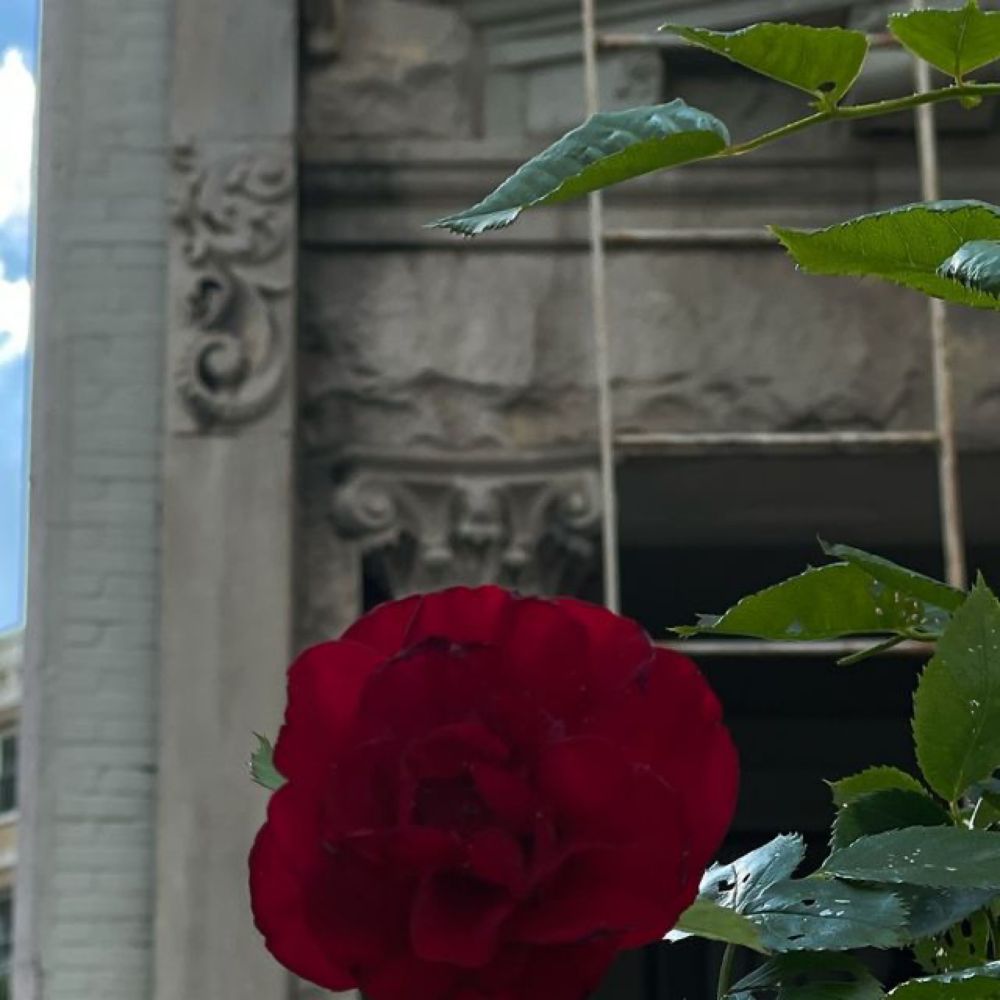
[583, 780]
[542, 656]
[600, 891]
[626, 872]
[324, 687]
[305, 896]
[671, 719]
[294, 817]
[506, 794]
[405, 977]
[410, 696]
[452, 750]
[410, 849]
[385, 627]
[616, 647]
[465, 616]
[281, 907]
[456, 919]
[496, 857]
[360, 794]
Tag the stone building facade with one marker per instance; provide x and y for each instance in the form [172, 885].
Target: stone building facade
[266, 397]
[11, 649]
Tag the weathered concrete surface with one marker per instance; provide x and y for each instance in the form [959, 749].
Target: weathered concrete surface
[405, 69]
[457, 345]
[462, 349]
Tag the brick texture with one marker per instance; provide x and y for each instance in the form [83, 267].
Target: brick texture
[85, 893]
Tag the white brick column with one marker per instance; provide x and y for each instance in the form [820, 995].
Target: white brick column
[85, 873]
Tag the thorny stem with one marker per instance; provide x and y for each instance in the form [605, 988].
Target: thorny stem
[864, 654]
[726, 971]
[875, 109]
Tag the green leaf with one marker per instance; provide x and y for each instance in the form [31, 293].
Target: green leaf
[972, 989]
[962, 946]
[956, 720]
[803, 914]
[906, 581]
[740, 883]
[975, 266]
[956, 41]
[970, 984]
[877, 812]
[823, 62]
[816, 914]
[262, 768]
[874, 779]
[932, 911]
[944, 857]
[824, 603]
[806, 976]
[706, 919]
[983, 804]
[608, 148]
[903, 245]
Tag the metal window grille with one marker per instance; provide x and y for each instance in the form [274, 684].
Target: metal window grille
[940, 438]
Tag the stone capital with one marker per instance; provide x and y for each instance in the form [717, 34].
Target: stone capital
[432, 520]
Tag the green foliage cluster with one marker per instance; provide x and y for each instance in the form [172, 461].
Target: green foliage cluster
[914, 860]
[948, 249]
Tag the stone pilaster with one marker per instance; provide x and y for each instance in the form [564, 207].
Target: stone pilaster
[228, 489]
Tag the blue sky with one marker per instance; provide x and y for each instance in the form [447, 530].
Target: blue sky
[18, 21]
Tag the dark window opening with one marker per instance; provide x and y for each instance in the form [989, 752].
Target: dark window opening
[699, 533]
[8, 771]
[6, 936]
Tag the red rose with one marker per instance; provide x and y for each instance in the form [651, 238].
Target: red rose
[487, 798]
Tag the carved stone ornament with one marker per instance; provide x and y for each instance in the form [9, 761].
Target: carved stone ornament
[232, 224]
[434, 521]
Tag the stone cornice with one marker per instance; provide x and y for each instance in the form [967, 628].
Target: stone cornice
[384, 198]
[533, 15]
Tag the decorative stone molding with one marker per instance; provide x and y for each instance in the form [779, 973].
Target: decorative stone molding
[232, 219]
[433, 520]
[517, 16]
[11, 659]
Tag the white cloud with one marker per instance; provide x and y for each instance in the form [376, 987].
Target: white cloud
[17, 118]
[17, 113]
[15, 317]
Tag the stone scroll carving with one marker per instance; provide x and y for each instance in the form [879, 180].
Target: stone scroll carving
[432, 521]
[232, 218]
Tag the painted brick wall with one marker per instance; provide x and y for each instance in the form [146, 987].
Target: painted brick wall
[85, 888]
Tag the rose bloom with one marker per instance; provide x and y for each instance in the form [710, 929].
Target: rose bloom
[488, 796]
